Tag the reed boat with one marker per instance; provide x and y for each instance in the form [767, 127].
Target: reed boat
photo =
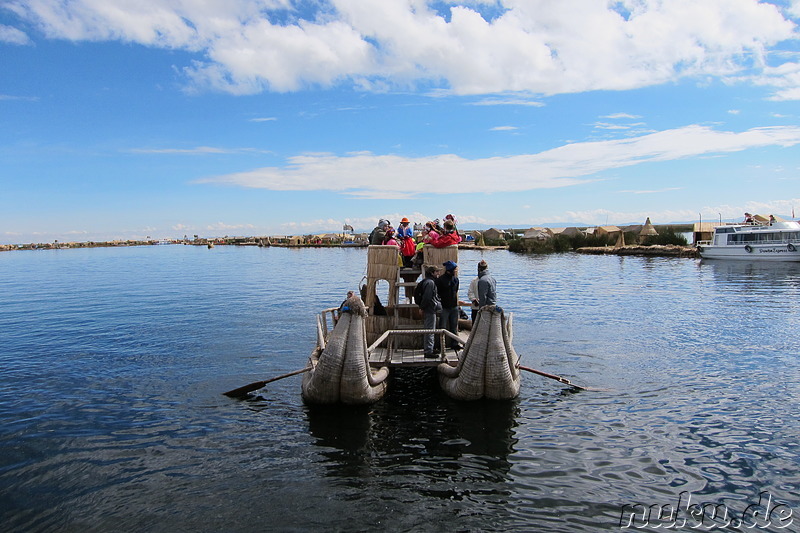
[361, 342]
[761, 239]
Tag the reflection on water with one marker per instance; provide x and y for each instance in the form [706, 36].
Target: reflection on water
[114, 361]
[415, 429]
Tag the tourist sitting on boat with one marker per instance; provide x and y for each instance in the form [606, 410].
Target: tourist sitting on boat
[431, 306]
[388, 239]
[343, 306]
[447, 287]
[748, 218]
[429, 234]
[379, 232]
[450, 236]
[453, 220]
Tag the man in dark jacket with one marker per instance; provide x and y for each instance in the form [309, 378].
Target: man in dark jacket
[447, 286]
[431, 306]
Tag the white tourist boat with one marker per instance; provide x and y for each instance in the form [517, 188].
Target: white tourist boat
[771, 240]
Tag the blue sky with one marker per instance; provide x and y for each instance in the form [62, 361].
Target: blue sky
[166, 118]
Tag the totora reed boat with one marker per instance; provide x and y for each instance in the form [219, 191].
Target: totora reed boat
[361, 342]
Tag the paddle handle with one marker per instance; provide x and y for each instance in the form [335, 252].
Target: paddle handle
[565, 381]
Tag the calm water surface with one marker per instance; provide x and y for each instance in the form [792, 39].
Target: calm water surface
[113, 361]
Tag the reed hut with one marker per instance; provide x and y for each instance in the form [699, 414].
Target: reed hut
[647, 231]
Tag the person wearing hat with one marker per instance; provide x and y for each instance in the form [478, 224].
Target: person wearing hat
[379, 232]
[487, 293]
[405, 236]
[447, 286]
[431, 306]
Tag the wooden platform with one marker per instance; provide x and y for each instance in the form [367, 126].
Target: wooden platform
[410, 357]
[407, 357]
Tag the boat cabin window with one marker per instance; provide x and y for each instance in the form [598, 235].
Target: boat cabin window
[763, 237]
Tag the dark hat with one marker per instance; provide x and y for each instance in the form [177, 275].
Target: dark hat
[449, 265]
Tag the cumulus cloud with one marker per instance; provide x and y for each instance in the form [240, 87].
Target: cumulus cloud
[463, 47]
[564, 166]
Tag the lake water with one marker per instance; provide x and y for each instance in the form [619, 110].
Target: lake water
[113, 361]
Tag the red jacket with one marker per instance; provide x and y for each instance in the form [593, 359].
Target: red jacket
[448, 239]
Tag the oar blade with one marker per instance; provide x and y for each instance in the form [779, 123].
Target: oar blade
[244, 391]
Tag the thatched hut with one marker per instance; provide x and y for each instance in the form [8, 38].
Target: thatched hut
[647, 231]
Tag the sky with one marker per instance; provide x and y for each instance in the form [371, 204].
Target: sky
[165, 118]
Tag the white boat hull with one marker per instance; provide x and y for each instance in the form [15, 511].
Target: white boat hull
[752, 252]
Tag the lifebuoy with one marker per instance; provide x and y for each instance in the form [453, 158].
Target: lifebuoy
[747, 248]
[791, 247]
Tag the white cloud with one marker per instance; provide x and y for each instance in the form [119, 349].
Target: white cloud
[504, 128]
[567, 165]
[222, 226]
[666, 216]
[531, 47]
[657, 191]
[21, 98]
[615, 116]
[12, 35]
[199, 150]
[508, 101]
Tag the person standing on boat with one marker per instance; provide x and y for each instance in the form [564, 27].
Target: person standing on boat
[431, 306]
[487, 286]
[379, 232]
[447, 287]
[405, 236]
[472, 296]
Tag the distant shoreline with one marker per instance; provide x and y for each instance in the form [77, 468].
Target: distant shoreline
[647, 251]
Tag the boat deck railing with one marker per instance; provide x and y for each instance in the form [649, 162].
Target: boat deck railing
[322, 324]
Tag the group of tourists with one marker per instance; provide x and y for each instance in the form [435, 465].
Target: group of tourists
[437, 293]
[438, 299]
[433, 233]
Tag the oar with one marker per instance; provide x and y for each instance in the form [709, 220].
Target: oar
[565, 381]
[242, 391]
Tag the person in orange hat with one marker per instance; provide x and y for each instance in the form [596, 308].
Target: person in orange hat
[405, 234]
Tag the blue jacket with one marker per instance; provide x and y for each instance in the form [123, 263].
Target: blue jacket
[404, 232]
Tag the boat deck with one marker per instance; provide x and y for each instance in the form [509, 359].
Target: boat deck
[407, 357]
[413, 357]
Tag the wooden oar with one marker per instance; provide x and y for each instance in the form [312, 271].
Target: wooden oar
[242, 391]
[565, 381]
